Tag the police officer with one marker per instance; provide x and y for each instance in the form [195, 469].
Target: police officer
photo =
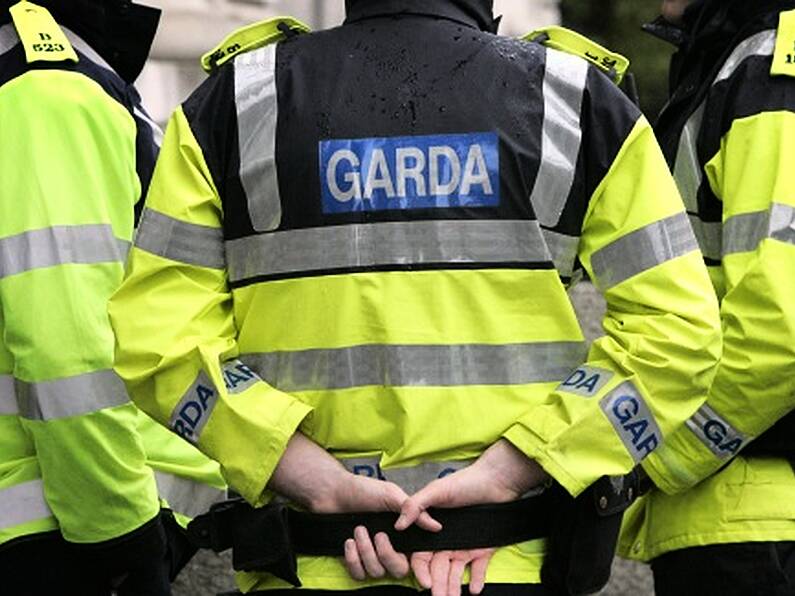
[728, 133]
[353, 265]
[80, 509]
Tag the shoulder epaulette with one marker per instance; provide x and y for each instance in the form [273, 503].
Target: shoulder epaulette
[784, 55]
[42, 38]
[571, 42]
[252, 37]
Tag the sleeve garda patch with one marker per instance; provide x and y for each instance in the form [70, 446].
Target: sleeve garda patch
[586, 381]
[421, 172]
[194, 409]
[632, 419]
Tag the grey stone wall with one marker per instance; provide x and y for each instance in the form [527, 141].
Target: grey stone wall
[208, 574]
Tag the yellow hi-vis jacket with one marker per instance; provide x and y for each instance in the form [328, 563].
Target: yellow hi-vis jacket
[76, 455]
[734, 165]
[262, 299]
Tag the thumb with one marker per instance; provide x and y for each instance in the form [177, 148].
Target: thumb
[414, 509]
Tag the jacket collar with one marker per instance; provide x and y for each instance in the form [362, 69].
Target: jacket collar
[477, 14]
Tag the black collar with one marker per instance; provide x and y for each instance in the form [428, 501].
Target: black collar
[472, 13]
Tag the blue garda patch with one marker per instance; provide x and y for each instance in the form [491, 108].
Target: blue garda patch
[424, 172]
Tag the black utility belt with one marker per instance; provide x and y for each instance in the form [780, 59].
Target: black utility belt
[269, 539]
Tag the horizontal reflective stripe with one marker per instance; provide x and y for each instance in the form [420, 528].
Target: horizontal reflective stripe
[632, 419]
[8, 396]
[418, 366]
[715, 433]
[194, 409]
[760, 44]
[782, 223]
[71, 396]
[22, 504]
[8, 38]
[561, 135]
[186, 496]
[180, 241]
[564, 250]
[60, 245]
[643, 249]
[709, 235]
[744, 232]
[257, 106]
[383, 244]
[410, 478]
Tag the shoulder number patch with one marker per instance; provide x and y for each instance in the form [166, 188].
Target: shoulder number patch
[42, 38]
[784, 55]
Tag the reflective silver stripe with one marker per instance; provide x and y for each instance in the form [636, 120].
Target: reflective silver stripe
[715, 433]
[71, 396]
[395, 243]
[782, 223]
[22, 504]
[744, 232]
[760, 44]
[187, 496]
[60, 245]
[8, 397]
[194, 409]
[709, 235]
[418, 366]
[8, 38]
[180, 241]
[410, 478]
[643, 249]
[563, 250]
[564, 86]
[687, 169]
[157, 132]
[632, 419]
[257, 113]
[85, 49]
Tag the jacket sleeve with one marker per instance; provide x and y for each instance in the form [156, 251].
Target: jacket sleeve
[752, 173]
[175, 328]
[65, 226]
[653, 367]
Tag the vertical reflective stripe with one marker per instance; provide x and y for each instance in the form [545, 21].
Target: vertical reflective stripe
[563, 249]
[157, 132]
[687, 169]
[632, 419]
[715, 433]
[782, 223]
[643, 249]
[72, 396]
[8, 38]
[760, 44]
[256, 101]
[22, 504]
[564, 86]
[8, 396]
[186, 496]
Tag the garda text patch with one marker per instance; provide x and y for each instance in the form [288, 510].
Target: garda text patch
[193, 411]
[586, 381]
[632, 419]
[717, 435]
[237, 376]
[439, 171]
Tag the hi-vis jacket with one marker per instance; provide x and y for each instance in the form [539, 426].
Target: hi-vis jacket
[730, 140]
[367, 234]
[77, 151]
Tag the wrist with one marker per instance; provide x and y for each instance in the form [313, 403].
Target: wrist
[515, 473]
